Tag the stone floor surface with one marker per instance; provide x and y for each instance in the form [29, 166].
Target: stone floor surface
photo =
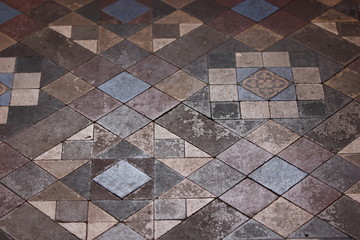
[179, 119]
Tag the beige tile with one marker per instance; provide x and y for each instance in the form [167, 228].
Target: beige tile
[185, 166]
[3, 114]
[272, 137]
[46, 207]
[26, 80]
[249, 59]
[306, 75]
[283, 217]
[222, 76]
[309, 91]
[5, 42]
[7, 65]
[223, 93]
[284, 109]
[78, 229]
[193, 205]
[24, 97]
[162, 227]
[276, 59]
[255, 109]
[180, 85]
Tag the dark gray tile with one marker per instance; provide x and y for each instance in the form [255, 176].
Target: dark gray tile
[47, 105]
[204, 9]
[198, 69]
[71, 211]
[349, 7]
[225, 110]
[120, 230]
[50, 72]
[8, 201]
[241, 127]
[221, 60]
[300, 125]
[200, 101]
[231, 46]
[122, 209]
[313, 109]
[165, 178]
[327, 67]
[79, 180]
[303, 59]
[199, 130]
[77, 150]
[334, 99]
[28, 64]
[169, 148]
[123, 149]
[21, 115]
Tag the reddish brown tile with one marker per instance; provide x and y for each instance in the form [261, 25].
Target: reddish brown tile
[306, 9]
[355, 65]
[229, 3]
[48, 12]
[283, 23]
[10, 160]
[20, 26]
[279, 3]
[8, 200]
[23, 5]
[238, 23]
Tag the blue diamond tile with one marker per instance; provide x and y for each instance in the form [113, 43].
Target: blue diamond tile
[7, 13]
[7, 79]
[278, 175]
[126, 10]
[255, 9]
[124, 87]
[122, 178]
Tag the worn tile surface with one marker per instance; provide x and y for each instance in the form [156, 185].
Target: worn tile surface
[168, 119]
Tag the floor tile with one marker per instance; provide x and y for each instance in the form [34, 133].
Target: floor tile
[28, 25]
[219, 60]
[9, 200]
[225, 110]
[10, 160]
[204, 10]
[48, 12]
[170, 209]
[7, 13]
[255, 10]
[306, 75]
[126, 10]
[255, 109]
[313, 9]
[222, 76]
[71, 211]
[283, 109]
[216, 93]
[120, 230]
[346, 82]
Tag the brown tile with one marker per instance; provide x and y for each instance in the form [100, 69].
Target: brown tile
[249, 197]
[153, 103]
[310, 92]
[90, 32]
[306, 9]
[249, 59]
[347, 82]
[67, 88]
[20, 26]
[276, 59]
[306, 75]
[239, 23]
[305, 155]
[8, 200]
[23, 5]
[229, 3]
[165, 30]
[283, 217]
[283, 23]
[312, 195]
[95, 104]
[279, 3]
[73, 5]
[48, 12]
[178, 4]
[10, 160]
[5, 41]
[204, 10]
[258, 37]
[97, 71]
[152, 69]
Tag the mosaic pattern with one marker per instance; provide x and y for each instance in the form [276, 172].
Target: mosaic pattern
[167, 119]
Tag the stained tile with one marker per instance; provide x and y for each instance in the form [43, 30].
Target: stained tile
[347, 82]
[122, 149]
[10, 160]
[76, 150]
[249, 60]
[283, 217]
[21, 115]
[221, 214]
[244, 156]
[170, 209]
[305, 155]
[152, 69]
[303, 59]
[20, 26]
[204, 10]
[338, 173]
[48, 12]
[205, 134]
[123, 121]
[97, 71]
[28, 64]
[256, 9]
[169, 148]
[312, 109]
[25, 180]
[277, 175]
[225, 110]
[343, 214]
[124, 87]
[306, 75]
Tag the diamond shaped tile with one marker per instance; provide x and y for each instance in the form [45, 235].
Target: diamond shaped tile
[277, 175]
[126, 10]
[255, 9]
[124, 87]
[8, 200]
[10, 160]
[122, 178]
[7, 13]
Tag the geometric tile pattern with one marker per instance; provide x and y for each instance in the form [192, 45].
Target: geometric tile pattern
[166, 119]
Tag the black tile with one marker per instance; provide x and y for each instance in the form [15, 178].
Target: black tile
[225, 110]
[22, 114]
[303, 59]
[28, 64]
[349, 7]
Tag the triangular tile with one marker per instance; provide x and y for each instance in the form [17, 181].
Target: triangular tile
[50, 72]
[78, 229]
[243, 73]
[179, 16]
[124, 149]
[125, 30]
[193, 152]
[85, 134]
[354, 40]
[162, 227]
[142, 221]
[161, 9]
[53, 153]
[286, 95]
[103, 139]
[193, 205]
[162, 133]
[159, 43]
[121, 209]
[57, 192]
[59, 168]
[242, 127]
[96, 214]
[187, 189]
[90, 11]
[185, 166]
[300, 126]
[198, 69]
[107, 39]
[165, 178]
[72, 19]
[144, 139]
[188, 27]
[46, 207]
[98, 192]
[333, 15]
[245, 95]
[354, 192]
[120, 230]
[79, 180]
[88, 44]
[253, 230]
[143, 39]
[97, 228]
[63, 30]
[47, 105]
[353, 147]
[329, 26]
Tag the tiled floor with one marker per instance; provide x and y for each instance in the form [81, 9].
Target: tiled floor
[179, 119]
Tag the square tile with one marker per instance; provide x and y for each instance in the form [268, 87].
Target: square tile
[124, 87]
[312, 195]
[306, 75]
[273, 137]
[7, 65]
[276, 59]
[225, 110]
[71, 211]
[283, 217]
[222, 76]
[28, 64]
[312, 109]
[153, 103]
[255, 109]
[255, 9]
[22, 114]
[24, 97]
[277, 175]
[221, 60]
[4, 114]
[126, 10]
[7, 13]
[310, 91]
[249, 197]
[338, 173]
[249, 60]
[216, 177]
[303, 59]
[223, 93]
[26, 80]
[244, 156]
[166, 209]
[283, 109]
[306, 155]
